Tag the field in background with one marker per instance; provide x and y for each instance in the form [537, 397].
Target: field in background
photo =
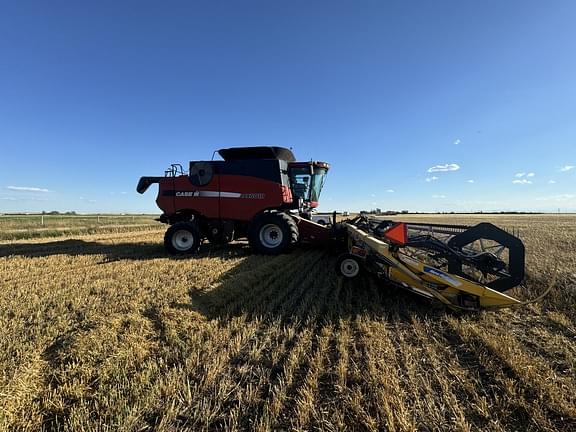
[106, 331]
[16, 227]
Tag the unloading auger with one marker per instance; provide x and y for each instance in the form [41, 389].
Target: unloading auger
[464, 267]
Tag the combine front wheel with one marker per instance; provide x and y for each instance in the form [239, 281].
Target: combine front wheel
[182, 238]
[272, 233]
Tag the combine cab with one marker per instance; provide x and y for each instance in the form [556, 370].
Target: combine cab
[261, 193]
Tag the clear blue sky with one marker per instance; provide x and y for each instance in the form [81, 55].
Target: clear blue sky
[95, 94]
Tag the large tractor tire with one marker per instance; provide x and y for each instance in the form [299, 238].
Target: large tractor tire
[272, 233]
[182, 238]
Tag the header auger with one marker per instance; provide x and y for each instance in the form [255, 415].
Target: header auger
[265, 195]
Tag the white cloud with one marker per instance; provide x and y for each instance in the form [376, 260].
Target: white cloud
[442, 168]
[523, 174]
[551, 181]
[567, 168]
[470, 181]
[123, 193]
[21, 198]
[431, 179]
[457, 141]
[390, 190]
[26, 189]
[373, 195]
[558, 198]
[439, 196]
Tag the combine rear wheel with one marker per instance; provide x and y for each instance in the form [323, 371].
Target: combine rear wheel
[182, 238]
[272, 233]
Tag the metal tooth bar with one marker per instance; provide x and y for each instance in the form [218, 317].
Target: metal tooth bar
[438, 228]
[431, 229]
[460, 227]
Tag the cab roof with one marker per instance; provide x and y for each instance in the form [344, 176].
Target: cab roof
[263, 152]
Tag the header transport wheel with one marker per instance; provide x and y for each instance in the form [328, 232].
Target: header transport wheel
[182, 238]
[348, 266]
[272, 233]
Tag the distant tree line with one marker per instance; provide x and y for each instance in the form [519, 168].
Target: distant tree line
[378, 211]
[54, 213]
[386, 212]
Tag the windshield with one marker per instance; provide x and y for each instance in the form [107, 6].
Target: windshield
[306, 185]
[317, 183]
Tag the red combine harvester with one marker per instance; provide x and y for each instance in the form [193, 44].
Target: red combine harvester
[261, 193]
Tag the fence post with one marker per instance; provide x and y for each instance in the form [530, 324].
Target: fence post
[42, 220]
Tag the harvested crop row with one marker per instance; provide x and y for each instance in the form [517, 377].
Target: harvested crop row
[106, 330]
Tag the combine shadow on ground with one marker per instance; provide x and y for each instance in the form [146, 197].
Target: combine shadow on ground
[303, 287]
[116, 251]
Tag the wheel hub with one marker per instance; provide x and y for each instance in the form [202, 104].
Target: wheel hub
[182, 240]
[271, 235]
[349, 267]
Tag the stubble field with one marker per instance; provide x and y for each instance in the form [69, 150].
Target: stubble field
[106, 332]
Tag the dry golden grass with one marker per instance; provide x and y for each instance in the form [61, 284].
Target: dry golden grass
[106, 332]
[19, 227]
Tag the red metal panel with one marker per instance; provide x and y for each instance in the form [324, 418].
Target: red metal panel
[205, 202]
[226, 196]
[313, 233]
[163, 201]
[242, 197]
